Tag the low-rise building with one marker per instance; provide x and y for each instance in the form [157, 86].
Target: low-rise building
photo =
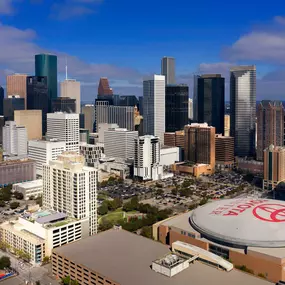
[38, 233]
[30, 188]
[169, 155]
[120, 169]
[196, 170]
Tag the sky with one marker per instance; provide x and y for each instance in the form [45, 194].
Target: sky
[125, 40]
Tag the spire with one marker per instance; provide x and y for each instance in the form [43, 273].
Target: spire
[66, 69]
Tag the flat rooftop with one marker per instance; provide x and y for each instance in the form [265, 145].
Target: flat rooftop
[126, 258]
[30, 184]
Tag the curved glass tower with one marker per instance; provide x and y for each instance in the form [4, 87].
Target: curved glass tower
[46, 65]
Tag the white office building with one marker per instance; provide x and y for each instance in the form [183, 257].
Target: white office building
[70, 187]
[15, 139]
[44, 151]
[104, 127]
[168, 69]
[190, 109]
[64, 127]
[169, 155]
[29, 189]
[71, 88]
[147, 158]
[154, 106]
[92, 153]
[119, 143]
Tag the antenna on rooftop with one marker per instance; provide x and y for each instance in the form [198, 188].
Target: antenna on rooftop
[66, 68]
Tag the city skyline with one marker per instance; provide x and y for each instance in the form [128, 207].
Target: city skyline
[126, 57]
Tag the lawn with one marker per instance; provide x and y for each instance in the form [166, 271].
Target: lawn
[116, 216]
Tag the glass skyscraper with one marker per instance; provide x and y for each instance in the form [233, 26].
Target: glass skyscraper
[11, 104]
[1, 100]
[243, 109]
[46, 65]
[211, 101]
[176, 107]
[168, 69]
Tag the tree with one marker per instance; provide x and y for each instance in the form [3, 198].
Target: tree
[74, 282]
[5, 262]
[105, 225]
[103, 209]
[32, 197]
[115, 204]
[2, 203]
[159, 192]
[147, 231]
[174, 191]
[45, 260]
[14, 205]
[66, 280]
[18, 195]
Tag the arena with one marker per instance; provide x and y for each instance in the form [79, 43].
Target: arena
[250, 233]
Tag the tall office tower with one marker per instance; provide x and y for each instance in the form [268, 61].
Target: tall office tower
[104, 87]
[32, 121]
[127, 100]
[15, 139]
[123, 116]
[154, 106]
[147, 158]
[64, 104]
[11, 104]
[141, 105]
[227, 125]
[176, 107]
[92, 153]
[190, 109]
[17, 85]
[225, 152]
[89, 117]
[38, 98]
[200, 144]
[46, 65]
[168, 69]
[71, 88]
[243, 109]
[71, 188]
[101, 113]
[274, 166]
[195, 97]
[119, 143]
[211, 101]
[44, 151]
[64, 127]
[104, 127]
[1, 100]
[2, 124]
[270, 125]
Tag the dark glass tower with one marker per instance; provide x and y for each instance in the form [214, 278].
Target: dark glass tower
[1, 100]
[64, 104]
[211, 101]
[37, 97]
[176, 107]
[11, 104]
[46, 65]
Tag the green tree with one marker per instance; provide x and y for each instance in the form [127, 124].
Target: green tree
[103, 209]
[14, 205]
[18, 195]
[105, 225]
[5, 262]
[2, 203]
[66, 280]
[46, 260]
[147, 231]
[74, 282]
[174, 191]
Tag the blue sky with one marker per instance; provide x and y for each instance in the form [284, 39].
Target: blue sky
[124, 40]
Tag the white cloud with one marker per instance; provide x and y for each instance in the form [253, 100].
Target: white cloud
[6, 7]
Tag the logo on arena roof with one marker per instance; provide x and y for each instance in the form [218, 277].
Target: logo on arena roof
[274, 213]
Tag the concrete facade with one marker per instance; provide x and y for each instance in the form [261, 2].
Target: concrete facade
[71, 88]
[17, 85]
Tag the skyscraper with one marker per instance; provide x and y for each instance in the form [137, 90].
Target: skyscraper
[17, 85]
[71, 188]
[64, 127]
[211, 101]
[190, 109]
[104, 87]
[1, 100]
[71, 88]
[38, 98]
[64, 104]
[154, 106]
[176, 107]
[270, 125]
[168, 69]
[89, 115]
[195, 97]
[46, 65]
[11, 104]
[243, 109]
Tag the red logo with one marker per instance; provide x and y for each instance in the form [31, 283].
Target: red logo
[270, 213]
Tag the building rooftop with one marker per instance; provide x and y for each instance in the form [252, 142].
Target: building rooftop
[126, 258]
[30, 184]
[16, 161]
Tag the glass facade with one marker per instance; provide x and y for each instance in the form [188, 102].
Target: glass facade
[211, 101]
[46, 65]
[176, 107]
[12, 104]
[64, 104]
[1, 100]
[243, 109]
[37, 97]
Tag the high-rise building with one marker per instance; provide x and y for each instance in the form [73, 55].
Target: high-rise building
[211, 101]
[15, 140]
[227, 125]
[105, 127]
[2, 124]
[141, 105]
[127, 100]
[274, 166]
[225, 156]
[63, 104]
[119, 143]
[44, 151]
[38, 98]
[104, 87]
[46, 65]
[200, 144]
[83, 135]
[147, 158]
[11, 104]
[243, 109]
[71, 188]
[17, 85]
[1, 100]
[92, 153]
[190, 109]
[71, 88]
[270, 125]
[176, 107]
[195, 97]
[64, 127]
[32, 121]
[168, 69]
[154, 106]
[89, 115]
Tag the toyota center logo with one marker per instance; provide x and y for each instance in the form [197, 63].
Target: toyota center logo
[274, 213]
